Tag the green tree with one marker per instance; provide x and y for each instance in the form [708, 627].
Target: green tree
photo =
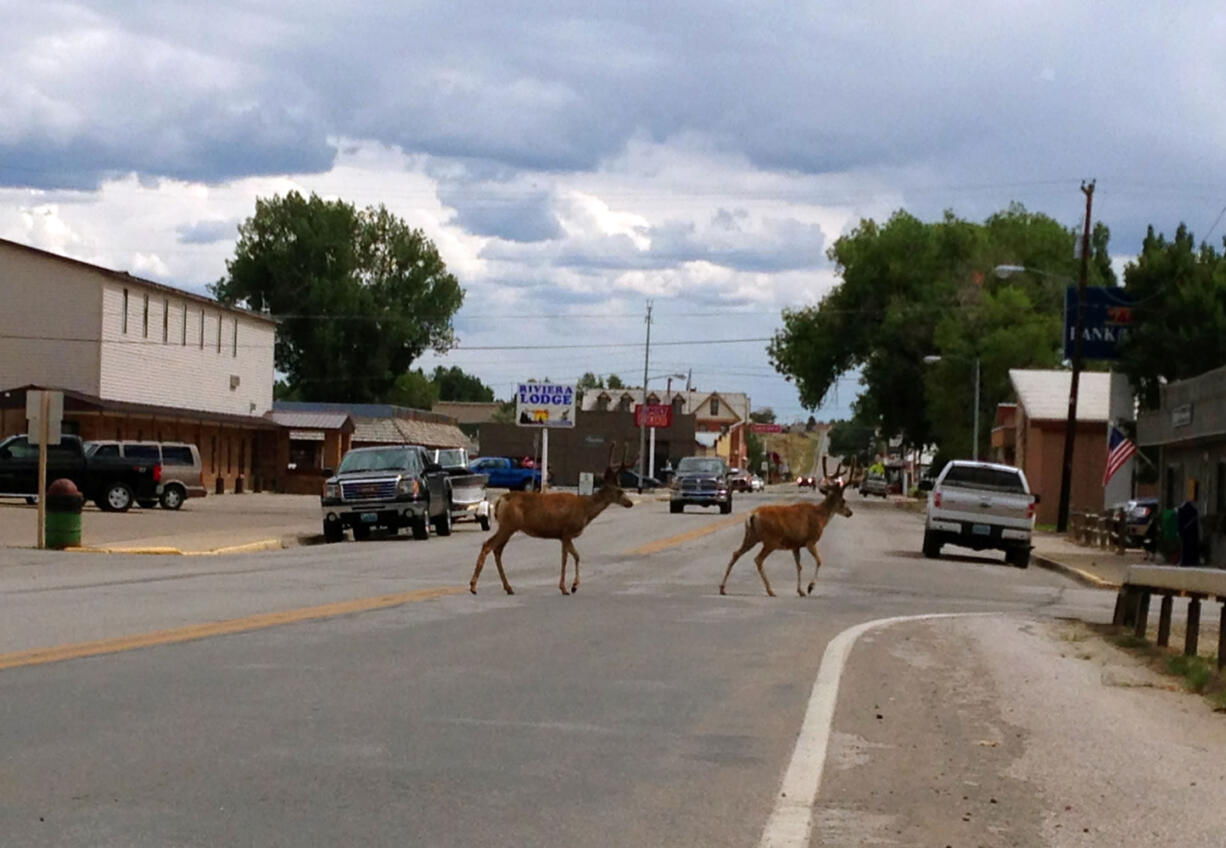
[614, 382]
[360, 295]
[756, 450]
[1179, 317]
[765, 415]
[414, 390]
[589, 381]
[911, 289]
[853, 438]
[454, 384]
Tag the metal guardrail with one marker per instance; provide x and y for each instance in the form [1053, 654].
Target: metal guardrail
[1196, 584]
[1099, 529]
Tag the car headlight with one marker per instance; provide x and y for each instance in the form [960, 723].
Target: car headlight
[332, 490]
[407, 486]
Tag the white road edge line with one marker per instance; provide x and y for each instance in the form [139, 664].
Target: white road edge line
[791, 822]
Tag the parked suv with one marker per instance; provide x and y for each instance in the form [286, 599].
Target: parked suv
[701, 481]
[182, 473]
[981, 505]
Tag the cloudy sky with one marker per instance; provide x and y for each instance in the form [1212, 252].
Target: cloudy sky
[574, 159]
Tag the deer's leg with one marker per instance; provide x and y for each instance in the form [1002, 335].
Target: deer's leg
[796, 556]
[751, 539]
[481, 558]
[498, 562]
[562, 580]
[812, 546]
[569, 545]
[758, 560]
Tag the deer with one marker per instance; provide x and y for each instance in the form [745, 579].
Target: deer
[794, 526]
[550, 515]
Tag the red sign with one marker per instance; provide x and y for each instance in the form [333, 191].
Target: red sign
[766, 428]
[653, 415]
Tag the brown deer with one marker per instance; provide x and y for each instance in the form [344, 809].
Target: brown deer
[550, 515]
[793, 527]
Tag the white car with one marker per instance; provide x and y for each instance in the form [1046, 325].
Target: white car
[983, 506]
[756, 484]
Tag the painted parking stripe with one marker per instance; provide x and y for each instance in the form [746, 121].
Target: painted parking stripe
[263, 621]
[791, 822]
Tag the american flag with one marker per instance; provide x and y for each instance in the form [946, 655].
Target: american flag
[1119, 450]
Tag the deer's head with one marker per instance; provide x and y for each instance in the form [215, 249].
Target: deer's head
[840, 481]
[611, 489]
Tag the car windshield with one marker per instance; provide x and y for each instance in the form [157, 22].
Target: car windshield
[700, 465]
[979, 477]
[452, 458]
[380, 459]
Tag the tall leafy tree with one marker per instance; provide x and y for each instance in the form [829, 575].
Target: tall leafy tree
[360, 294]
[1179, 317]
[455, 384]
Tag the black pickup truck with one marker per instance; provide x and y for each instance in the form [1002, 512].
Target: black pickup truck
[390, 487]
[112, 482]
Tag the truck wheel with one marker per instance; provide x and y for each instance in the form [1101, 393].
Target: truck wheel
[676, 507]
[361, 532]
[420, 529]
[442, 524]
[334, 531]
[932, 545]
[485, 523]
[1019, 557]
[173, 497]
[117, 498]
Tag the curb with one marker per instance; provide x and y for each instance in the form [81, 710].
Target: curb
[250, 547]
[1085, 578]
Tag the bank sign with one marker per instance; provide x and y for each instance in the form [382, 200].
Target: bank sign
[544, 405]
[1107, 321]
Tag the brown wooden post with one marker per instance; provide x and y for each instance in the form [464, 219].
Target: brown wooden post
[1221, 637]
[1164, 620]
[1142, 614]
[1121, 600]
[1191, 644]
[1131, 599]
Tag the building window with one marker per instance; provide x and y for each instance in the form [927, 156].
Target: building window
[714, 406]
[234, 350]
[123, 320]
[145, 322]
[202, 329]
[165, 320]
[219, 332]
[185, 325]
[623, 405]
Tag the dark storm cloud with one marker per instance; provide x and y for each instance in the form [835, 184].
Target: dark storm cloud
[484, 210]
[206, 232]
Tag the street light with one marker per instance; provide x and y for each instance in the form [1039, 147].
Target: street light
[928, 360]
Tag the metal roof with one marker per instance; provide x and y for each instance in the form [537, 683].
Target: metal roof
[309, 420]
[1043, 395]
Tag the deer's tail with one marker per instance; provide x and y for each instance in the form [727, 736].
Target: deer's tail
[751, 529]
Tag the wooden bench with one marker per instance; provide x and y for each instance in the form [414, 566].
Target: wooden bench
[1195, 584]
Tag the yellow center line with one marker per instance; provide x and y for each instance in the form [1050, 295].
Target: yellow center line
[680, 539]
[58, 653]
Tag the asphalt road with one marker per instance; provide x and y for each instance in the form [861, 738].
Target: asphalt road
[155, 701]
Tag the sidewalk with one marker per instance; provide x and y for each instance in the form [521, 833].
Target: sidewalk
[1098, 567]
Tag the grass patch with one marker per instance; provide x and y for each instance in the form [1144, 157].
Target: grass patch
[1045, 528]
[1131, 641]
[1196, 672]
[1199, 674]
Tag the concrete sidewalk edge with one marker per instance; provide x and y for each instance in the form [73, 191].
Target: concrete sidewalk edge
[1085, 578]
[158, 550]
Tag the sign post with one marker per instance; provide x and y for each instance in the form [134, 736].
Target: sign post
[45, 415]
[545, 406]
[652, 415]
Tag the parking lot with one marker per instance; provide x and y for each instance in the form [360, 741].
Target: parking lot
[202, 524]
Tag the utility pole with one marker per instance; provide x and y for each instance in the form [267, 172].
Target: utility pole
[1070, 426]
[643, 430]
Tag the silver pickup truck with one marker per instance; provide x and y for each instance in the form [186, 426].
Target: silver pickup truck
[983, 506]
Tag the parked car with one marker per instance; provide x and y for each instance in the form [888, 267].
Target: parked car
[756, 483]
[113, 483]
[389, 487]
[629, 479]
[739, 480]
[506, 473]
[806, 481]
[701, 481]
[981, 505]
[874, 483]
[468, 500]
[182, 473]
[1138, 514]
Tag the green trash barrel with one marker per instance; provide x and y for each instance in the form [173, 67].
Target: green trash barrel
[64, 503]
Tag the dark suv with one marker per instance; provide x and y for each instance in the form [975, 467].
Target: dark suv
[701, 481]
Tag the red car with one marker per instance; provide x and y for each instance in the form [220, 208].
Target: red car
[806, 481]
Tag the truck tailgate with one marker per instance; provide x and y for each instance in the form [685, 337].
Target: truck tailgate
[994, 507]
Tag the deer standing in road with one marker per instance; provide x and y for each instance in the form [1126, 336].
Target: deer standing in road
[550, 515]
[793, 527]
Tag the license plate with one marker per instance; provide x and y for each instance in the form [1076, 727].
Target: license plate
[981, 530]
[370, 517]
